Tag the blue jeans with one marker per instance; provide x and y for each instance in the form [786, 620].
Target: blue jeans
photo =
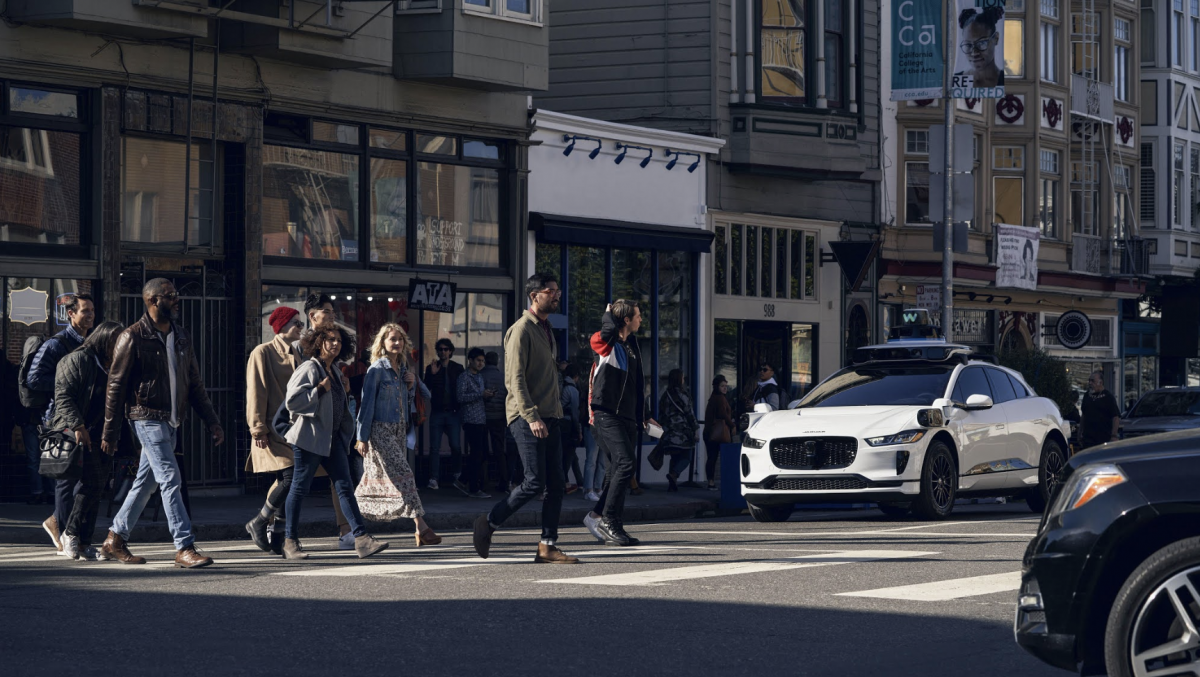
[338, 466]
[451, 423]
[594, 463]
[679, 463]
[38, 485]
[542, 460]
[158, 457]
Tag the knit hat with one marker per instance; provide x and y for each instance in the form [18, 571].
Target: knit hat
[280, 317]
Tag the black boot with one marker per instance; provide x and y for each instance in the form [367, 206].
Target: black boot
[277, 536]
[671, 486]
[257, 528]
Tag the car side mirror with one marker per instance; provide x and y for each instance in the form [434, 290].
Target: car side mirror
[762, 408]
[977, 402]
[947, 406]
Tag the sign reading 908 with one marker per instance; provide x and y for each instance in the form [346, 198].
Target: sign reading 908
[910, 33]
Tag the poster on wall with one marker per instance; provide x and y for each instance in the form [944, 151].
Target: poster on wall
[918, 64]
[1017, 255]
[979, 51]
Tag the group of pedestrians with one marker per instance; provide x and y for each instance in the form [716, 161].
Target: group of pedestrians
[97, 383]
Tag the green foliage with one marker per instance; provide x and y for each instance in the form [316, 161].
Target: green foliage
[1047, 375]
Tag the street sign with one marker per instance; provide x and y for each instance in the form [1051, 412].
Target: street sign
[430, 295]
[964, 148]
[929, 296]
[964, 197]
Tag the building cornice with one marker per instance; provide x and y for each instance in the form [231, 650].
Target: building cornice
[550, 121]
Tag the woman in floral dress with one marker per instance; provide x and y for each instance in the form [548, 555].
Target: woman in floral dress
[388, 489]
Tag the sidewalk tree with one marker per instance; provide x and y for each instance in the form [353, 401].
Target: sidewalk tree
[1046, 374]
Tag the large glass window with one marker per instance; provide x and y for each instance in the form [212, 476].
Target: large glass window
[1014, 48]
[834, 46]
[777, 262]
[40, 197]
[458, 215]
[916, 193]
[154, 200]
[1148, 43]
[1121, 72]
[37, 312]
[1178, 37]
[1178, 192]
[310, 203]
[782, 52]
[587, 276]
[1146, 206]
[389, 210]
[675, 306]
[1009, 202]
[1049, 52]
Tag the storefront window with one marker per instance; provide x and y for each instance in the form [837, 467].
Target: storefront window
[389, 211]
[154, 202]
[586, 279]
[24, 316]
[632, 279]
[458, 216]
[478, 321]
[39, 186]
[310, 204]
[548, 259]
[675, 305]
[803, 364]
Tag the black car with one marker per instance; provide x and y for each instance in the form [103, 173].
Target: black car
[1112, 579]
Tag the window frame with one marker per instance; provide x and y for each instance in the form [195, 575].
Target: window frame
[498, 9]
[797, 273]
[809, 29]
[1009, 24]
[1050, 182]
[1048, 67]
[217, 155]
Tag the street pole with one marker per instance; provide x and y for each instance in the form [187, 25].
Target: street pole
[948, 175]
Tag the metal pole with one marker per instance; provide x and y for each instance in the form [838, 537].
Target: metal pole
[187, 160]
[948, 175]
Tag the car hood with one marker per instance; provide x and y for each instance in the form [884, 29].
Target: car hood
[1158, 424]
[1165, 444]
[836, 421]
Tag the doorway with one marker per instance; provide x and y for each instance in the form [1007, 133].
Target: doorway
[741, 346]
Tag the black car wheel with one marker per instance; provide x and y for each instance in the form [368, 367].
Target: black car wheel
[939, 483]
[895, 509]
[1050, 476]
[770, 513]
[1154, 625]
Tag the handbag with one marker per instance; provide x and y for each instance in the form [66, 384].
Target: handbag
[61, 457]
[719, 432]
[422, 405]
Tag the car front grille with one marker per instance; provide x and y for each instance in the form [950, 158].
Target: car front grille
[813, 453]
[815, 484]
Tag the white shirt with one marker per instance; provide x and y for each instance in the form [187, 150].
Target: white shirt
[173, 365]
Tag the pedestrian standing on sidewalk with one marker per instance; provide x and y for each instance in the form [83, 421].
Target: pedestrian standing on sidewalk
[679, 429]
[388, 489]
[268, 371]
[320, 432]
[571, 433]
[718, 427]
[153, 379]
[533, 411]
[39, 391]
[619, 412]
[80, 382]
[766, 391]
[471, 393]
[1101, 415]
[497, 427]
[441, 376]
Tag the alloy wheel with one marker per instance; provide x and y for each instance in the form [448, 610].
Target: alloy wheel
[1165, 640]
[1055, 463]
[940, 478]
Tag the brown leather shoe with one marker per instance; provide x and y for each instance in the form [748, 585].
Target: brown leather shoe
[188, 558]
[293, 550]
[367, 545]
[482, 537]
[51, 528]
[548, 554]
[114, 548]
[428, 537]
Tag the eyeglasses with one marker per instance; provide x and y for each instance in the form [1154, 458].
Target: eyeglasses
[976, 46]
[445, 350]
[551, 292]
[170, 297]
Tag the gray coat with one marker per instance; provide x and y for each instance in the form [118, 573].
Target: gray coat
[312, 411]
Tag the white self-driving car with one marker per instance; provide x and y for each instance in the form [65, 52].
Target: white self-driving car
[911, 425]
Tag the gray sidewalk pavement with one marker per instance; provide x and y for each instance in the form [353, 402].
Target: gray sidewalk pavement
[223, 518]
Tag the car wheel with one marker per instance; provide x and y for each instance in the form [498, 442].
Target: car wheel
[1153, 623]
[770, 513]
[1050, 476]
[939, 483]
[895, 509]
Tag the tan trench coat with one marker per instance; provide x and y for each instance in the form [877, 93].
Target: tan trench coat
[271, 365]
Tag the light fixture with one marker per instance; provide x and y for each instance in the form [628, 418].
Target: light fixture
[678, 154]
[971, 295]
[692, 167]
[1008, 300]
[624, 147]
[570, 140]
[389, 299]
[333, 298]
[621, 156]
[991, 298]
[370, 298]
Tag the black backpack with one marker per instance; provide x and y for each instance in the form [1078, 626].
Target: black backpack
[31, 399]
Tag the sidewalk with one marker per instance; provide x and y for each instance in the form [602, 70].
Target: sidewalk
[224, 518]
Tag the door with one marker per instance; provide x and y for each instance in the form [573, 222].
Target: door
[765, 342]
[1027, 426]
[982, 433]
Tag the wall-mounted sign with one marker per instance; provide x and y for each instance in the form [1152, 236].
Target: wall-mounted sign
[973, 326]
[1074, 329]
[27, 306]
[979, 50]
[929, 296]
[917, 50]
[430, 295]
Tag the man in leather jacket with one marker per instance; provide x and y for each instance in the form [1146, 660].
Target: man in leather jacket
[154, 376]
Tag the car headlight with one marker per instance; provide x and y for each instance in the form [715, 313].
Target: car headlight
[906, 437]
[1084, 485]
[751, 443]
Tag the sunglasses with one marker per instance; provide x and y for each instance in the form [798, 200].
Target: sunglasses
[445, 350]
[764, 369]
[170, 297]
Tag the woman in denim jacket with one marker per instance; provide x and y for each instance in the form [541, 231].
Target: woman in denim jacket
[388, 489]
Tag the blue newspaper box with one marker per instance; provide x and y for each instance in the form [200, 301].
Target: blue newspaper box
[731, 477]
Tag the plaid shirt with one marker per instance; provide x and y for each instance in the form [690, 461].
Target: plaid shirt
[470, 398]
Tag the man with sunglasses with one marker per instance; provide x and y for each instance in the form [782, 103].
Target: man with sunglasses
[153, 378]
[441, 377]
[766, 391]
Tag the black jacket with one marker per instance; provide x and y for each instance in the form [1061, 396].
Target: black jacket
[618, 385]
[443, 399]
[79, 385]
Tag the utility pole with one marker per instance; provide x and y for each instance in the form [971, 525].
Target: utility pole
[948, 175]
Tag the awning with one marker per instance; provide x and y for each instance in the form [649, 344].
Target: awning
[574, 230]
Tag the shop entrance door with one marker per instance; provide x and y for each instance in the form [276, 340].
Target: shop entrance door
[764, 342]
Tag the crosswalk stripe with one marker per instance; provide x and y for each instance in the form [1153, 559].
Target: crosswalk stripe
[808, 535]
[457, 563]
[660, 576]
[940, 591]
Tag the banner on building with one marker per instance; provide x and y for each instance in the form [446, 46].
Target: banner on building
[979, 50]
[917, 48]
[429, 295]
[1017, 256]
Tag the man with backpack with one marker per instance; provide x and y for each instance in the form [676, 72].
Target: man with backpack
[35, 381]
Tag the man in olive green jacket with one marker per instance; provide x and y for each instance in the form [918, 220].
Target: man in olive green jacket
[533, 411]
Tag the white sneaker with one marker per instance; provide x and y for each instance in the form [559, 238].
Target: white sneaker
[591, 496]
[70, 546]
[433, 484]
[346, 541]
[592, 524]
[91, 554]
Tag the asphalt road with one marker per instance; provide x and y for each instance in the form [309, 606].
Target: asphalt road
[837, 594]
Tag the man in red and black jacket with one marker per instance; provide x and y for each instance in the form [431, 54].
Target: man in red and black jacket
[618, 410]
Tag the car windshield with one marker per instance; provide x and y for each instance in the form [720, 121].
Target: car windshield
[872, 386]
[1168, 403]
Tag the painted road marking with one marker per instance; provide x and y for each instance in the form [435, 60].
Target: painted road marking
[457, 563]
[941, 591]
